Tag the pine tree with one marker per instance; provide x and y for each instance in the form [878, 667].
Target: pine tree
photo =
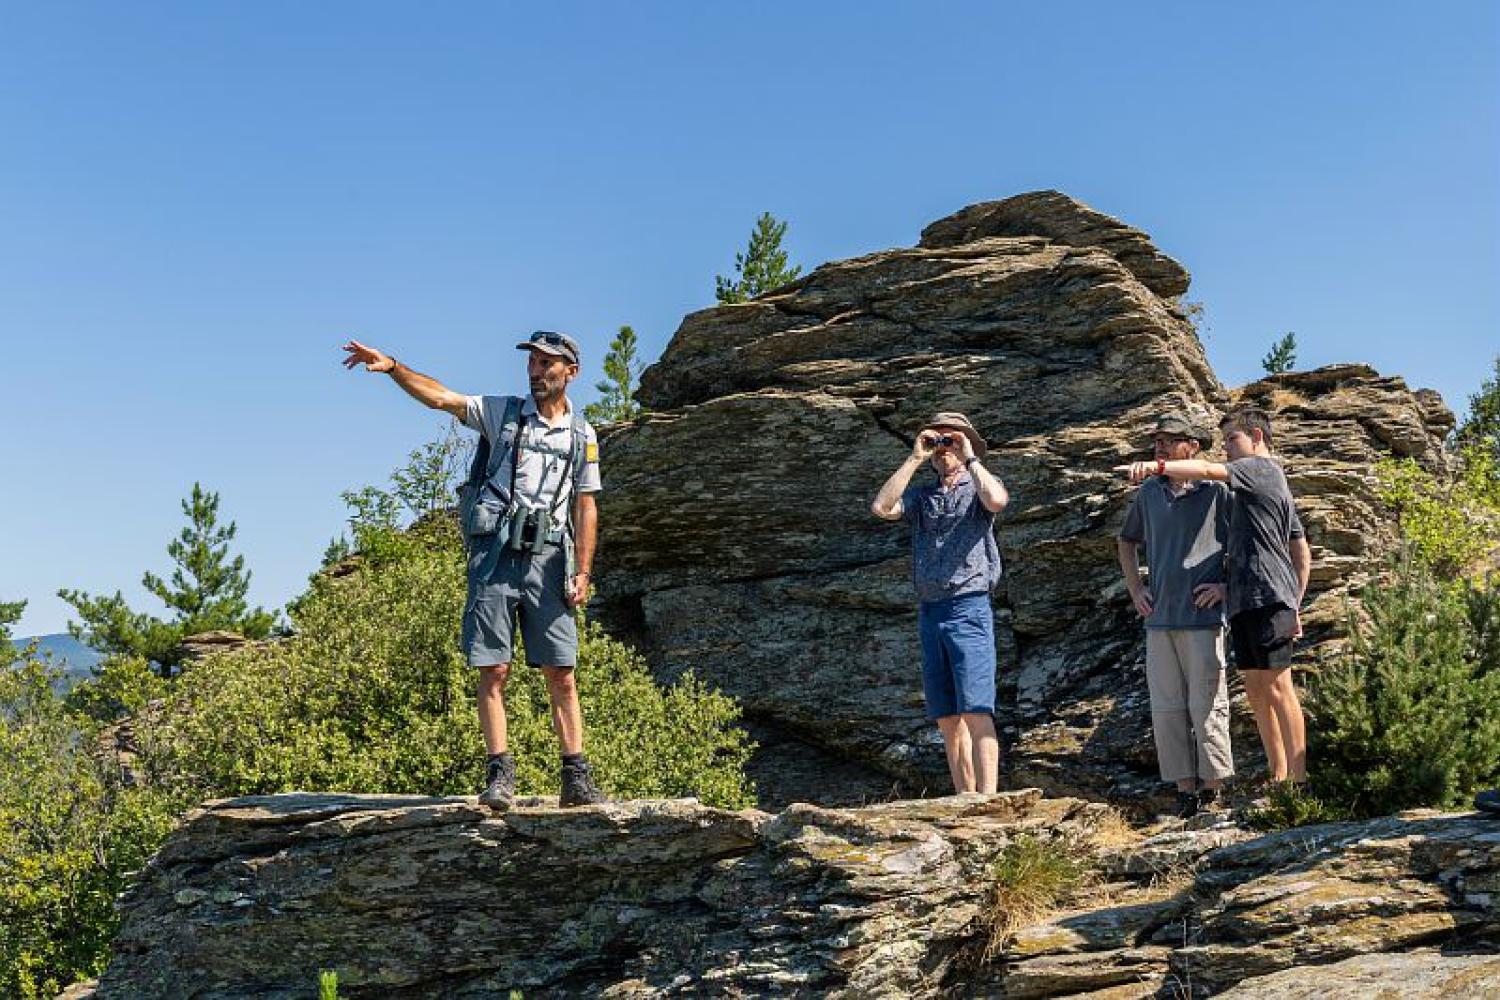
[617, 402]
[207, 591]
[1283, 356]
[1409, 714]
[1481, 428]
[761, 268]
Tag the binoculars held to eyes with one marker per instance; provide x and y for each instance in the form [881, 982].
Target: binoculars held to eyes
[942, 440]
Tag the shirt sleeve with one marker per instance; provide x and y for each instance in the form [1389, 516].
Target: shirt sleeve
[1134, 528]
[911, 503]
[1295, 529]
[589, 480]
[474, 414]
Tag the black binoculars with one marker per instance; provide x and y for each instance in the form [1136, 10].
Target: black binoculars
[944, 441]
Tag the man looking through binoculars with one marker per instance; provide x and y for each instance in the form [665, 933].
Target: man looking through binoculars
[955, 565]
[529, 523]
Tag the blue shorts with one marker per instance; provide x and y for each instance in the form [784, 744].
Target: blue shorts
[958, 655]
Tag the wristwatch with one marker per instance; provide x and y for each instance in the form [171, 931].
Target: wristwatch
[971, 460]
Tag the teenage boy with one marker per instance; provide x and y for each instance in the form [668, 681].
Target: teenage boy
[1182, 524]
[1268, 563]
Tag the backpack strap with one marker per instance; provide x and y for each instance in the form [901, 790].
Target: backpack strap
[487, 458]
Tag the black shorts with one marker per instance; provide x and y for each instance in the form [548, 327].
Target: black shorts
[1262, 637]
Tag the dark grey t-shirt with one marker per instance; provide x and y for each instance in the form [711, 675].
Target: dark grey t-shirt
[1262, 520]
[952, 539]
[1184, 538]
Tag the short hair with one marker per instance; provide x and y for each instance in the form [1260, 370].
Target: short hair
[1245, 419]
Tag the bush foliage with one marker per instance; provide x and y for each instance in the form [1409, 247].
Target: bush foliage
[1450, 524]
[70, 831]
[368, 694]
[371, 694]
[1409, 714]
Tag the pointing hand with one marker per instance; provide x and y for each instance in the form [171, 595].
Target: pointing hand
[373, 360]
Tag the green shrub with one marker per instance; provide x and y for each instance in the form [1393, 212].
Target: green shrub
[371, 695]
[1450, 524]
[69, 834]
[1289, 804]
[1409, 714]
[1031, 876]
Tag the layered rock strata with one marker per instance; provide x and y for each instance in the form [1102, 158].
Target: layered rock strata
[737, 537]
[413, 897]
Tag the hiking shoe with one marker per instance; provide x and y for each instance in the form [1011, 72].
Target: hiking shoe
[1209, 800]
[578, 788]
[499, 783]
[1488, 800]
[1187, 805]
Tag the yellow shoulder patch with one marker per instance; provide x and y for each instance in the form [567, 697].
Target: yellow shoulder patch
[591, 452]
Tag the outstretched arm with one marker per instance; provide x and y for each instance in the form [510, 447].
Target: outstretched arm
[887, 503]
[1186, 468]
[427, 391]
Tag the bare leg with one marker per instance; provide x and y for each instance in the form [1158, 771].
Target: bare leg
[985, 751]
[960, 751]
[1287, 710]
[490, 693]
[1258, 691]
[567, 717]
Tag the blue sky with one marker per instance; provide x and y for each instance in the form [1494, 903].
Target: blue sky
[198, 202]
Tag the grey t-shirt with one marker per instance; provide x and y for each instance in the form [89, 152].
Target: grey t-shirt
[1184, 538]
[1262, 520]
[952, 540]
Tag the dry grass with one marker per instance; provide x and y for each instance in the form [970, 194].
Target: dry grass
[1113, 830]
[1031, 877]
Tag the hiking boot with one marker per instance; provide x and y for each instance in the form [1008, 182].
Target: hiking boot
[1187, 805]
[578, 788]
[499, 783]
[1488, 800]
[1209, 800]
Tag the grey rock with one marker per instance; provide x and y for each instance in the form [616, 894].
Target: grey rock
[737, 541]
[1420, 975]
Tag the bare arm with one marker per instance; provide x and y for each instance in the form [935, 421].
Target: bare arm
[427, 391]
[1129, 553]
[887, 503]
[1301, 554]
[586, 522]
[1187, 468]
[992, 492]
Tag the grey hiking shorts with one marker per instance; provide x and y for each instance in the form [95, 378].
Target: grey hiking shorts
[530, 588]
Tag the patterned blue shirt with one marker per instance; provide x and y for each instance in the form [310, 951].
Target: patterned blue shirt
[952, 540]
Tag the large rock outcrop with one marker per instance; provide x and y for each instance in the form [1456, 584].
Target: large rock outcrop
[737, 537]
[411, 897]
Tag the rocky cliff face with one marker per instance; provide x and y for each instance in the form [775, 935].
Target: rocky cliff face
[737, 537]
[435, 897]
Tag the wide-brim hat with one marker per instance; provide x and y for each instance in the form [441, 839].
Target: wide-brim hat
[550, 342]
[958, 422]
[1177, 424]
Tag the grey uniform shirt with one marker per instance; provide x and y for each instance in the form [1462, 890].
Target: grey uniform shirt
[1184, 538]
[542, 471]
[953, 540]
[1262, 520]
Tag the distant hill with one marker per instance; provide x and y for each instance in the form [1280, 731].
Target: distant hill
[76, 659]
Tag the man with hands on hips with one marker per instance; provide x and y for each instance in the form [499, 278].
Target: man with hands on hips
[1182, 524]
[530, 525]
[955, 565]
